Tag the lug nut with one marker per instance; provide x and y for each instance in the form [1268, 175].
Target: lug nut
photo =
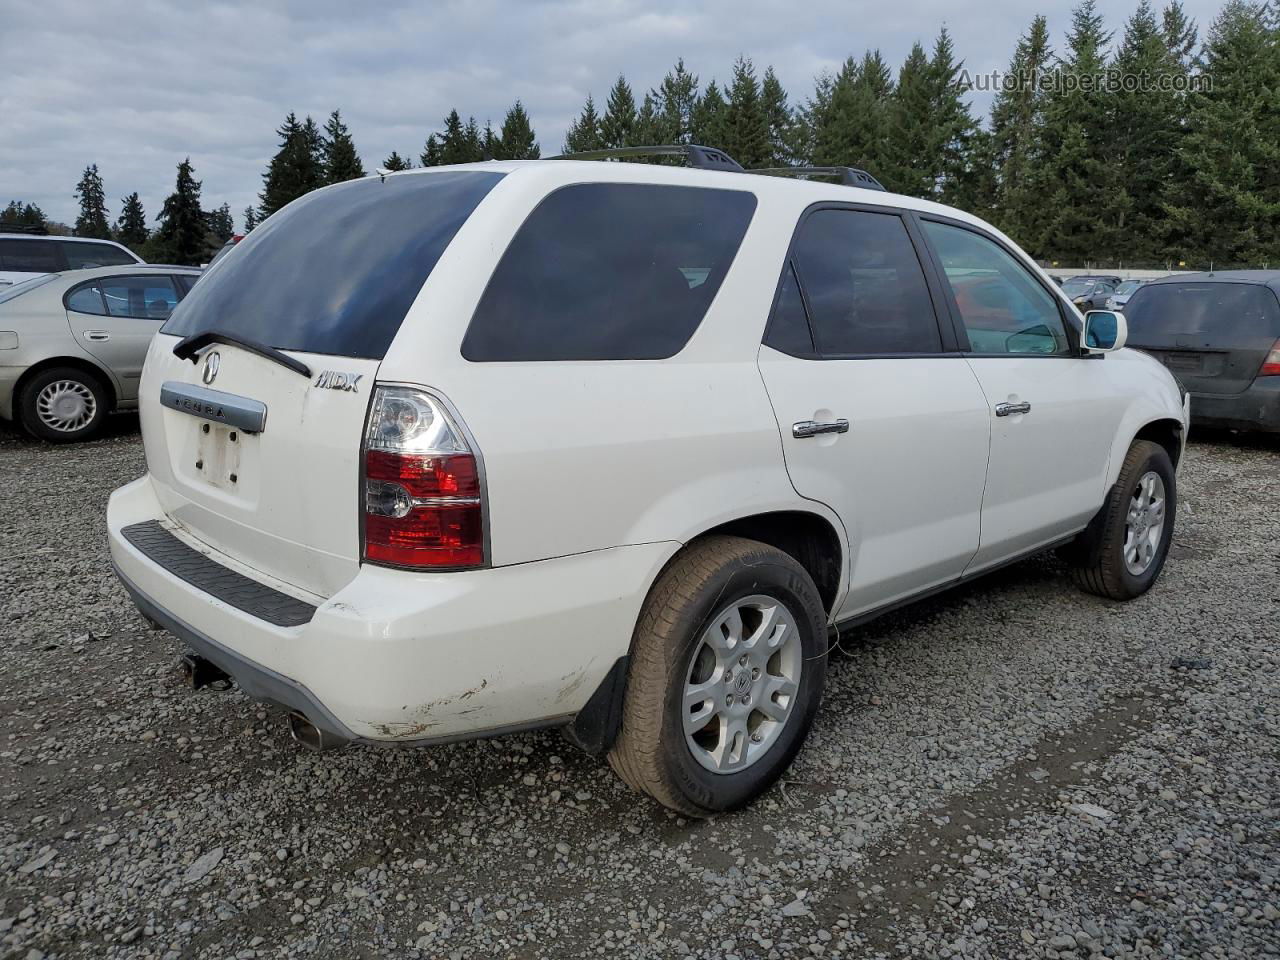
[755, 673]
[757, 737]
[728, 675]
[728, 701]
[746, 699]
[742, 660]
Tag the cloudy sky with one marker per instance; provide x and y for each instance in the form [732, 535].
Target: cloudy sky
[136, 85]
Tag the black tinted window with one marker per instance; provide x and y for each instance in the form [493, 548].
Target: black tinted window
[335, 271]
[789, 327]
[84, 255]
[30, 256]
[606, 271]
[1230, 313]
[864, 285]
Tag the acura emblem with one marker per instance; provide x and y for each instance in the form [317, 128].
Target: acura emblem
[210, 372]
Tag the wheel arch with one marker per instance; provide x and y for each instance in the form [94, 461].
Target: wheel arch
[1166, 432]
[99, 373]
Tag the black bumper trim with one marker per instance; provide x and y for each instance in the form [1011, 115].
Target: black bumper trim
[204, 573]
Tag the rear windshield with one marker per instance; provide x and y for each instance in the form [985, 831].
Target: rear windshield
[335, 271]
[609, 271]
[1232, 313]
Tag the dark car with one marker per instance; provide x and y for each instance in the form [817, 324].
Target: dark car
[1090, 293]
[1219, 333]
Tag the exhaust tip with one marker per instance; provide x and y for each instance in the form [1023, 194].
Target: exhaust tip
[307, 734]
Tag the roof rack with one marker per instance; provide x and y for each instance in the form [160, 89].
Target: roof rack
[849, 176]
[704, 158]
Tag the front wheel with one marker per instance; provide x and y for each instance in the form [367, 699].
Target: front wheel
[62, 405]
[1123, 551]
[726, 672]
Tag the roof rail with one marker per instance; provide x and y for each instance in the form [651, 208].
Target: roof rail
[704, 158]
[849, 176]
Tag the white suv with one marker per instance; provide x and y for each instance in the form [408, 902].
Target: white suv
[615, 448]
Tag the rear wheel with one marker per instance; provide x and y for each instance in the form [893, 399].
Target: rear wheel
[1123, 551]
[726, 672]
[63, 405]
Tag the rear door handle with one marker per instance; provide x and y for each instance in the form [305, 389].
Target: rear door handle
[1010, 409]
[812, 428]
[98, 336]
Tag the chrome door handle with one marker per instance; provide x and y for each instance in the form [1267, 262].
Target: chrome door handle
[811, 428]
[98, 336]
[1009, 409]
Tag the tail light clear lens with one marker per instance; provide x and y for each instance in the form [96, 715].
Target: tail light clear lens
[423, 506]
[1271, 365]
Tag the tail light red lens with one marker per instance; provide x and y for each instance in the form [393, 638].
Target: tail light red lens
[1271, 365]
[423, 504]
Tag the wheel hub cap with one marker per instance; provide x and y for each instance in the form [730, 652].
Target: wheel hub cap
[65, 405]
[1144, 524]
[741, 686]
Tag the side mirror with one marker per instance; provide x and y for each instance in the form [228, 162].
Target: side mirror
[1104, 331]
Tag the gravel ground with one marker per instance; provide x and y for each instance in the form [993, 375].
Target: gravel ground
[1013, 769]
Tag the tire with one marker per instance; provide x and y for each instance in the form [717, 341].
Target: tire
[63, 405]
[1101, 559]
[684, 637]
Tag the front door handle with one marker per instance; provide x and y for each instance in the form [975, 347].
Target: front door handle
[812, 428]
[98, 336]
[1010, 409]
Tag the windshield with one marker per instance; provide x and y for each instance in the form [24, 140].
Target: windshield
[1077, 288]
[1127, 287]
[335, 271]
[26, 286]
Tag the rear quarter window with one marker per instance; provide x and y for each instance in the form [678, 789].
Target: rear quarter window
[335, 271]
[1222, 312]
[609, 271]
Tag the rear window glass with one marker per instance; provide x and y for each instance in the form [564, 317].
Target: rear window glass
[30, 256]
[335, 271]
[1228, 312]
[84, 255]
[609, 271]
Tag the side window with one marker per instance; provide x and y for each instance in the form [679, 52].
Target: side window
[146, 298]
[81, 256]
[86, 299]
[609, 271]
[865, 287]
[1004, 309]
[789, 327]
[31, 256]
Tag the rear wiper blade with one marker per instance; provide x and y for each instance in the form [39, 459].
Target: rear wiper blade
[188, 347]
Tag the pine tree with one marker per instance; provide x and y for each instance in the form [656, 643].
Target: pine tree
[710, 117]
[955, 126]
[250, 219]
[395, 162]
[220, 223]
[430, 156]
[341, 162]
[26, 216]
[1074, 177]
[746, 129]
[517, 141]
[180, 236]
[648, 129]
[473, 145]
[852, 112]
[618, 123]
[131, 228]
[1225, 207]
[584, 132]
[1179, 33]
[296, 169]
[778, 120]
[916, 166]
[1016, 147]
[92, 221]
[676, 98]
[491, 144]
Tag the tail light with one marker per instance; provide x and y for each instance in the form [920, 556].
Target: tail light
[1271, 365]
[423, 505]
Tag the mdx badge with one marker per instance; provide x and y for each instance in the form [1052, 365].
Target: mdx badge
[337, 380]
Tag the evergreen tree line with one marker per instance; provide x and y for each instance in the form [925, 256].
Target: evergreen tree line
[1075, 167]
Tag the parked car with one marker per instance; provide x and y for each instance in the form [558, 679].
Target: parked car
[1089, 293]
[1123, 291]
[1220, 335]
[23, 256]
[614, 448]
[225, 249]
[72, 344]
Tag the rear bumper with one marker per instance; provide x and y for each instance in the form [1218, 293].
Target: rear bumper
[1256, 408]
[395, 657]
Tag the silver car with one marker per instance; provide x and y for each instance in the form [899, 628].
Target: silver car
[72, 344]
